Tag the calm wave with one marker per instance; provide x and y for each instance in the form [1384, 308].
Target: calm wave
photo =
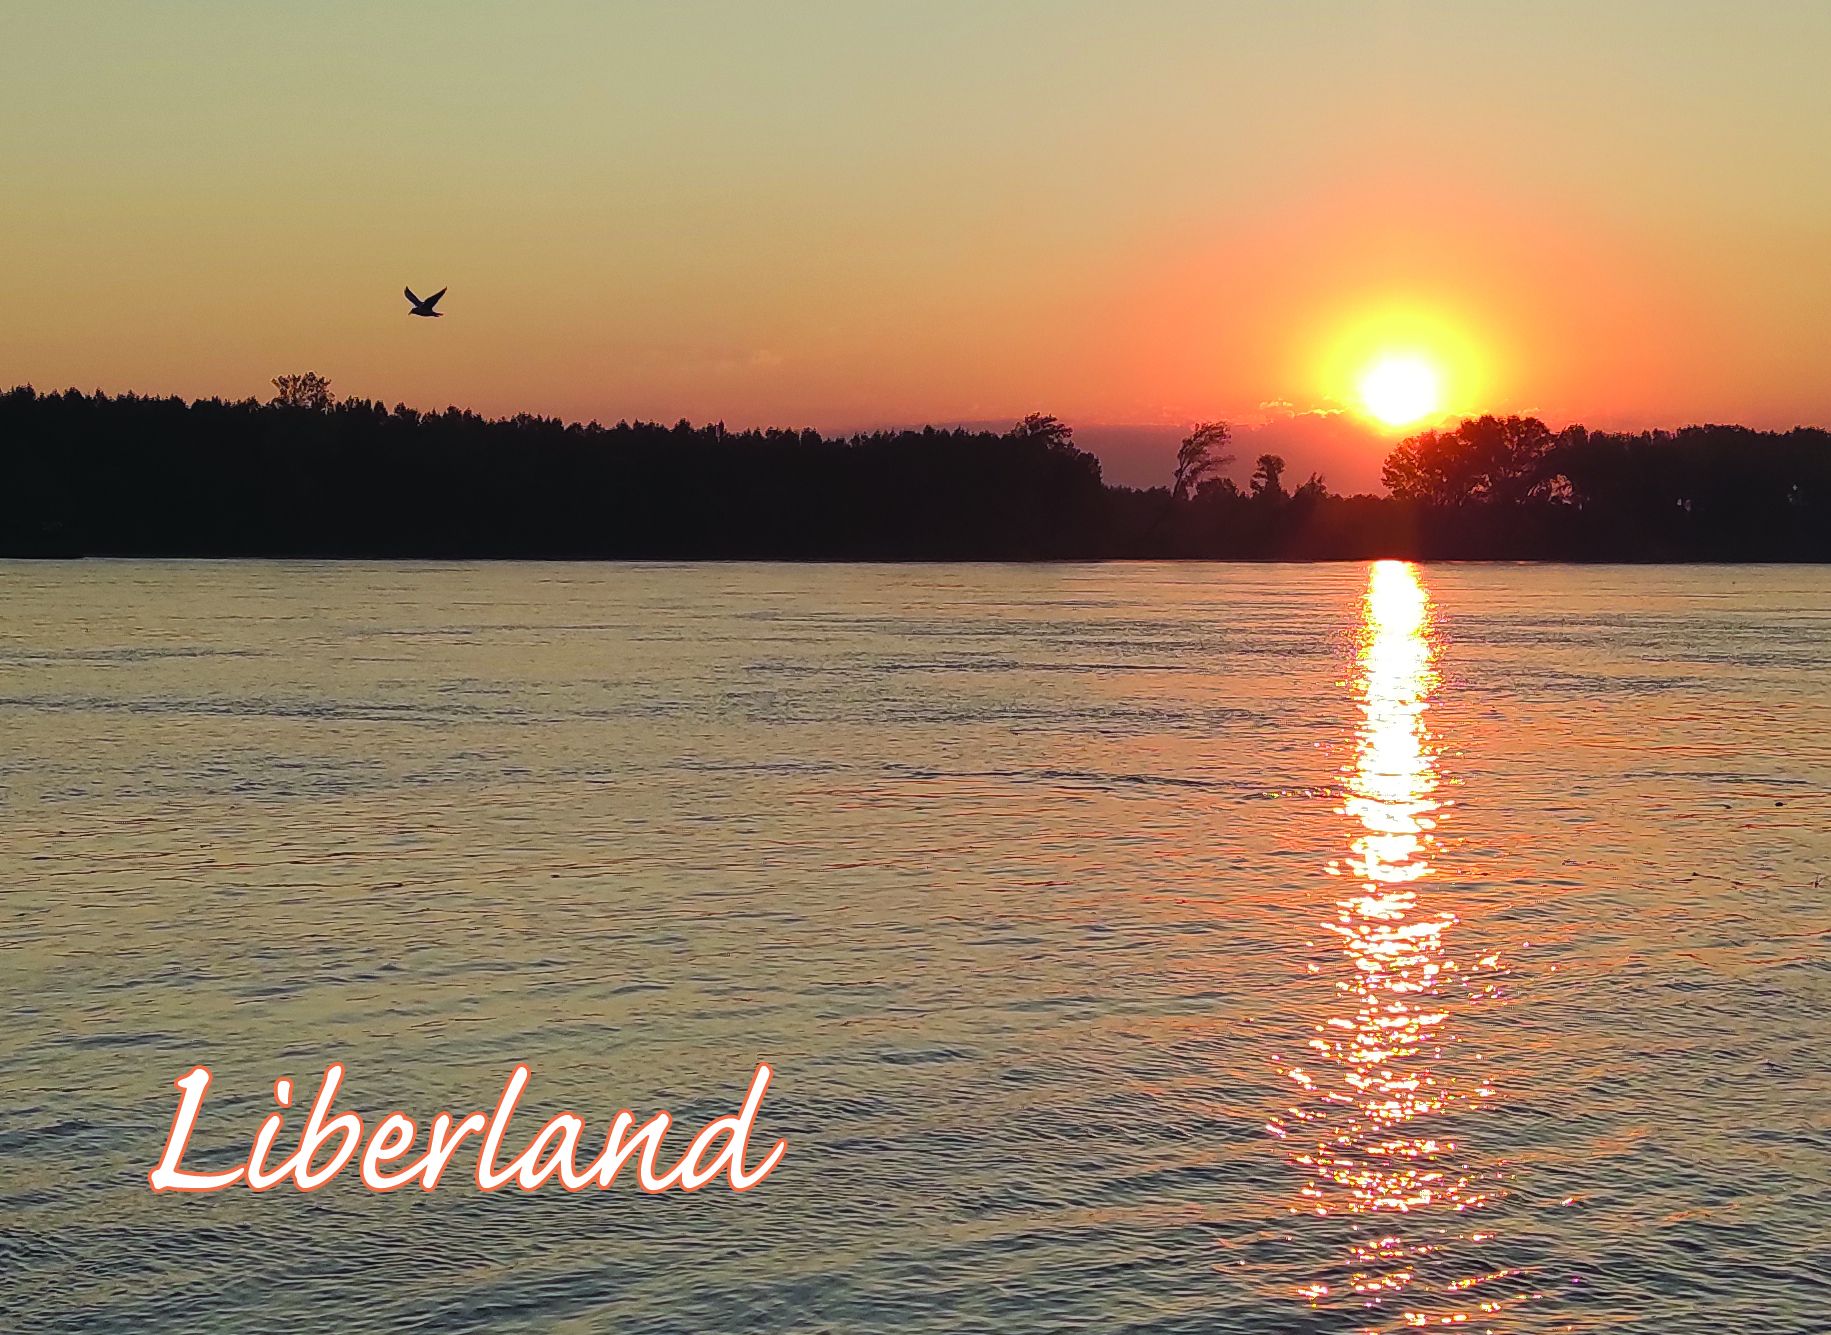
[1155, 948]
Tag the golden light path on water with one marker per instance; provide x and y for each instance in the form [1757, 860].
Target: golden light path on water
[1385, 1081]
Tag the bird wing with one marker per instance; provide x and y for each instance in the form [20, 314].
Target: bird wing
[433, 300]
[410, 297]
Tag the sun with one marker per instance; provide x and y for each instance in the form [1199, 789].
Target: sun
[1400, 389]
[1400, 364]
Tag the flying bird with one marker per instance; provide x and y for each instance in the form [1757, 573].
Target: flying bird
[425, 307]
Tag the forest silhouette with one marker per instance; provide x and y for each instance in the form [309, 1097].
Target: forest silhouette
[306, 475]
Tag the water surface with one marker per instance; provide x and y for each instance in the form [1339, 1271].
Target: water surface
[1156, 948]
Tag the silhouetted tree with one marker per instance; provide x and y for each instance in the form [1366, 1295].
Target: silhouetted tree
[1500, 459]
[129, 475]
[1267, 477]
[1199, 455]
[1051, 432]
[310, 391]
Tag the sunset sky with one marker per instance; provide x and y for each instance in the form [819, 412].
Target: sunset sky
[853, 214]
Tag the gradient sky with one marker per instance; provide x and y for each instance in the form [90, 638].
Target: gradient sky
[853, 213]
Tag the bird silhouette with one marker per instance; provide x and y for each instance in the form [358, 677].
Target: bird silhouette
[425, 307]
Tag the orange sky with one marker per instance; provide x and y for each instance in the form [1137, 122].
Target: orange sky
[844, 215]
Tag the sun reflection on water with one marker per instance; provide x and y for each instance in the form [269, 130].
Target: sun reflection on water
[1386, 1083]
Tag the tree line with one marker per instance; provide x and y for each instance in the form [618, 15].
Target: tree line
[307, 475]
